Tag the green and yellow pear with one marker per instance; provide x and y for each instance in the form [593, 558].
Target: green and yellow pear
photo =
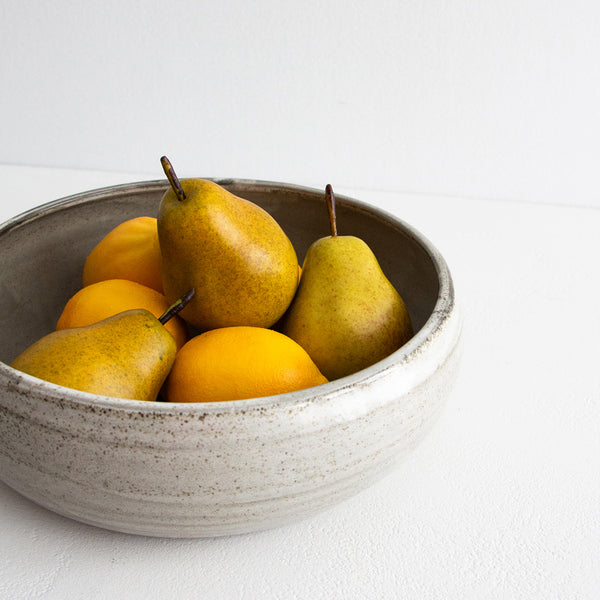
[232, 252]
[346, 314]
[128, 355]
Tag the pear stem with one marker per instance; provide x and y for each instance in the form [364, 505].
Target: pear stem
[172, 177]
[330, 197]
[178, 305]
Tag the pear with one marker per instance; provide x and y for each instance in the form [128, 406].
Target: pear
[346, 314]
[232, 252]
[128, 355]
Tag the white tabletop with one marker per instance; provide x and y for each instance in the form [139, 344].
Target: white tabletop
[501, 500]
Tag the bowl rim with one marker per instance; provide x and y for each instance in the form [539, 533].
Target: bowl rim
[442, 310]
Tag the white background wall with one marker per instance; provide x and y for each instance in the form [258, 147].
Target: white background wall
[496, 99]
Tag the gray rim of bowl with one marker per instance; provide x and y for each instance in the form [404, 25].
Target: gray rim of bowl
[444, 306]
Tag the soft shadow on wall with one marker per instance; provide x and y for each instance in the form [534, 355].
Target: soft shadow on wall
[494, 100]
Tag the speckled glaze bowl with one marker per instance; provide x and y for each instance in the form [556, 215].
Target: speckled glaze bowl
[193, 470]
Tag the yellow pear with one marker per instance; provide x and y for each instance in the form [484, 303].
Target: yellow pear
[232, 252]
[128, 355]
[346, 314]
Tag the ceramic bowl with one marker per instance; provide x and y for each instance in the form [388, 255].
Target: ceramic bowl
[195, 470]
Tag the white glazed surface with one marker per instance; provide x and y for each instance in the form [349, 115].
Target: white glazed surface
[193, 470]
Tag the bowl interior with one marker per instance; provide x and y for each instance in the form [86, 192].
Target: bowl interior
[44, 250]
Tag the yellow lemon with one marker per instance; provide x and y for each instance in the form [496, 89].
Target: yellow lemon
[234, 363]
[129, 251]
[104, 299]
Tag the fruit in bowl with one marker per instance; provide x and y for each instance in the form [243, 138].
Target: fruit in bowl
[231, 251]
[346, 314]
[232, 273]
[128, 355]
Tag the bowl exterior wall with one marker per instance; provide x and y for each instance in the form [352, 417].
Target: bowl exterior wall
[175, 474]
